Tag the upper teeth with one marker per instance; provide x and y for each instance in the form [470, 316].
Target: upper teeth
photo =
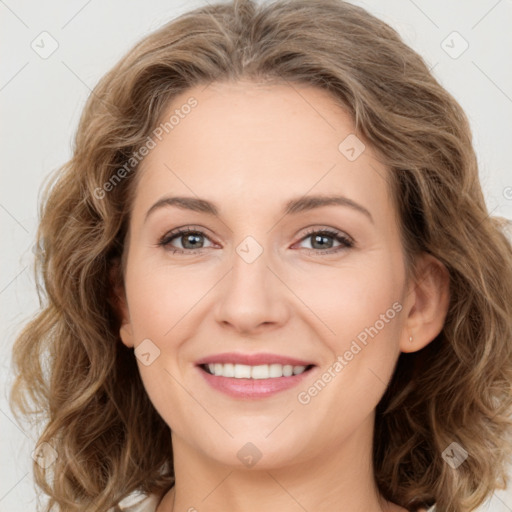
[264, 371]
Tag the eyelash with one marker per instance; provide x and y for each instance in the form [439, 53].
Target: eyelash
[346, 241]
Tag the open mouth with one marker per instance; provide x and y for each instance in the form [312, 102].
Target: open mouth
[264, 371]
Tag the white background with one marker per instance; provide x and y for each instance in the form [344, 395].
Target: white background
[41, 101]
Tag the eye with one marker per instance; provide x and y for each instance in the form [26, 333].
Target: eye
[320, 239]
[190, 240]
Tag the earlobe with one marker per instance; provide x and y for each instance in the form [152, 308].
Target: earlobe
[119, 303]
[430, 298]
[126, 334]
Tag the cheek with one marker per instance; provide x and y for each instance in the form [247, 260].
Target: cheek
[158, 297]
[362, 310]
[351, 298]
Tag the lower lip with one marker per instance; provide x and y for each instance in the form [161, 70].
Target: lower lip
[252, 388]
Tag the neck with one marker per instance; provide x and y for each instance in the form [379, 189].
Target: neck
[340, 478]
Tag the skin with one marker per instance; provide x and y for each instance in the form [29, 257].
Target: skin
[249, 148]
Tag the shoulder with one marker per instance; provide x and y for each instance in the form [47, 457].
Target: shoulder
[138, 502]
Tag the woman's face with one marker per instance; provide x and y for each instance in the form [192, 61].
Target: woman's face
[260, 275]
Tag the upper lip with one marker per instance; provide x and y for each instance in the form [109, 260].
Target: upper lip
[252, 359]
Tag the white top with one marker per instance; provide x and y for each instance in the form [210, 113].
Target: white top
[138, 502]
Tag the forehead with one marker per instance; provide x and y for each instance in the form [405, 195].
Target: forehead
[244, 141]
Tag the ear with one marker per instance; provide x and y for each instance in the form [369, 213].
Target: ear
[426, 305]
[119, 303]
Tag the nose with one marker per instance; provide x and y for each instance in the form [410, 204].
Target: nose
[252, 297]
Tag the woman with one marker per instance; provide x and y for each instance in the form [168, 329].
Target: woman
[272, 281]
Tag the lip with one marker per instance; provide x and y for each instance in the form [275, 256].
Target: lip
[252, 359]
[253, 388]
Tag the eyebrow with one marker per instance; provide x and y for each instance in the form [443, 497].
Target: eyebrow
[293, 206]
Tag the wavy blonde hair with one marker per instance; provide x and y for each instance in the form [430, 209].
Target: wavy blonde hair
[69, 361]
